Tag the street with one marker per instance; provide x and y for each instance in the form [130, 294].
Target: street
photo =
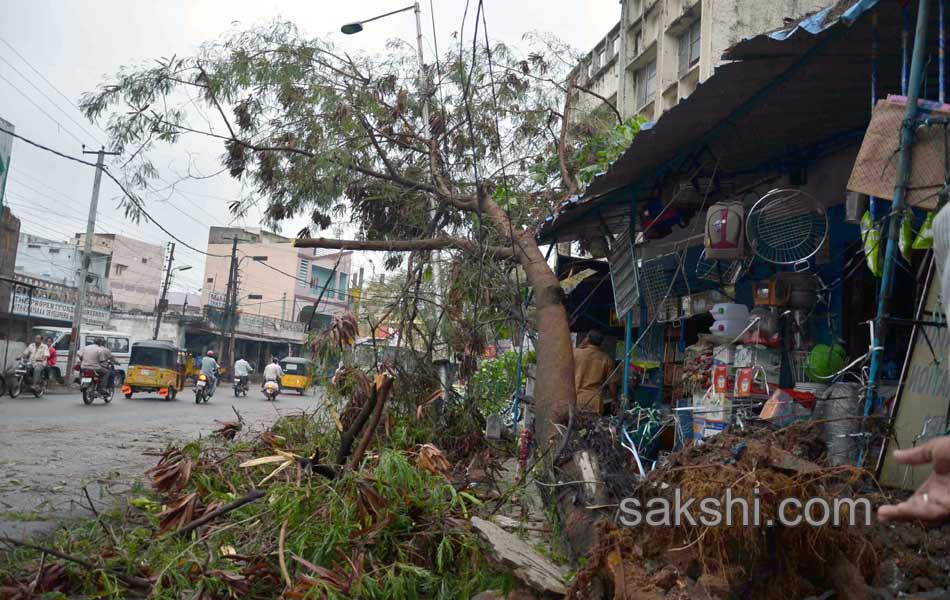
[53, 446]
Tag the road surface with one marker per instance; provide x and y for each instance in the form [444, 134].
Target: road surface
[52, 446]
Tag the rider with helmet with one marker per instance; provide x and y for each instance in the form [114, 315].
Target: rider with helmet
[209, 368]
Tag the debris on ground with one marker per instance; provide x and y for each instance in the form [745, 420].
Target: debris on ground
[733, 560]
[251, 516]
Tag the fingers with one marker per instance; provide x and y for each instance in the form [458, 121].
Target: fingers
[914, 508]
[920, 455]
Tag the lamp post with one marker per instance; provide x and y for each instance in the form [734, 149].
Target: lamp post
[356, 27]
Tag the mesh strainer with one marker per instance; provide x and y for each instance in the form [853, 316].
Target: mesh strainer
[786, 227]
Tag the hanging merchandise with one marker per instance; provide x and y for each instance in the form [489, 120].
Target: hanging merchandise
[787, 227]
[824, 361]
[744, 382]
[925, 237]
[724, 238]
[906, 240]
[872, 243]
[658, 220]
[721, 379]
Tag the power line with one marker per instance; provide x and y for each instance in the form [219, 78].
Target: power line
[133, 199]
[50, 100]
[40, 108]
[48, 82]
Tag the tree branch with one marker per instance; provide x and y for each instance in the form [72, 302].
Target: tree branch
[569, 183]
[400, 245]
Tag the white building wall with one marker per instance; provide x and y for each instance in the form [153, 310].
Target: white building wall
[59, 262]
[650, 33]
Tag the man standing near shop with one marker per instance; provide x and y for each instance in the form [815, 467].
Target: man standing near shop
[592, 369]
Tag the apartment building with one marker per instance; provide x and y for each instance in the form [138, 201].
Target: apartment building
[60, 262]
[134, 269]
[660, 50]
[275, 279]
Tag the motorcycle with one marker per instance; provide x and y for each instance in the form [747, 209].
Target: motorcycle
[240, 386]
[23, 377]
[91, 386]
[202, 387]
[271, 389]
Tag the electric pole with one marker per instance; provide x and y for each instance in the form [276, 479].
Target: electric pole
[86, 259]
[230, 308]
[163, 302]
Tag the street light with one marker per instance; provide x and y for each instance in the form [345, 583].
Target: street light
[357, 26]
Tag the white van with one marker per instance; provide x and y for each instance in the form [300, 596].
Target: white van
[119, 343]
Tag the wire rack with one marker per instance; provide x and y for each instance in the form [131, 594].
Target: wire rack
[657, 277]
[786, 227]
[722, 272]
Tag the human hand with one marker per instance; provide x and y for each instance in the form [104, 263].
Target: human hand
[931, 501]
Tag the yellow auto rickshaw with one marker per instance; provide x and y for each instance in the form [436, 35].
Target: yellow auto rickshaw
[154, 367]
[298, 374]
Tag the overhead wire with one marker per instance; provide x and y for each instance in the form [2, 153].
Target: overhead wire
[49, 83]
[132, 198]
[50, 100]
[42, 110]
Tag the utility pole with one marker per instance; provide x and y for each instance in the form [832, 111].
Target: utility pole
[163, 302]
[86, 259]
[230, 308]
[283, 307]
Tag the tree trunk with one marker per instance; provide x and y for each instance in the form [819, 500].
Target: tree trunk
[554, 388]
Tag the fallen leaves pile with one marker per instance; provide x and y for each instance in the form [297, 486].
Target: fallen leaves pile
[247, 515]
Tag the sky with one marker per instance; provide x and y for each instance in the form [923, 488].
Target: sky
[52, 51]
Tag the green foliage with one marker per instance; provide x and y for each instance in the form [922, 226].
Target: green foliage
[596, 154]
[494, 382]
[391, 531]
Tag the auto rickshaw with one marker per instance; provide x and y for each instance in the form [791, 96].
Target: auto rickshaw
[298, 374]
[154, 366]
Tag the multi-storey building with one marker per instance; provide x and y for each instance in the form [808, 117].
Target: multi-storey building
[134, 269]
[60, 262]
[662, 49]
[275, 279]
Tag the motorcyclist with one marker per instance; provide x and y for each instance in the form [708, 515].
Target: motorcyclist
[96, 357]
[37, 354]
[209, 368]
[242, 370]
[272, 372]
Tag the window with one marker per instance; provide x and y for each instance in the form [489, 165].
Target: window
[303, 270]
[646, 84]
[342, 288]
[689, 48]
[210, 280]
[118, 269]
[118, 345]
[603, 58]
[54, 250]
[144, 261]
[616, 45]
[637, 42]
[319, 277]
[590, 68]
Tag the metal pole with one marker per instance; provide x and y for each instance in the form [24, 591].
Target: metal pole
[941, 79]
[897, 208]
[86, 257]
[230, 307]
[433, 205]
[283, 307]
[872, 201]
[162, 301]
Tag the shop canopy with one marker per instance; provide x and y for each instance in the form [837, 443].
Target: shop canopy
[784, 97]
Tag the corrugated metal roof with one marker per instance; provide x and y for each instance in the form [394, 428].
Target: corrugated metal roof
[784, 91]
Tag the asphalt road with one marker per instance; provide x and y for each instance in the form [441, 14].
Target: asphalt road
[53, 446]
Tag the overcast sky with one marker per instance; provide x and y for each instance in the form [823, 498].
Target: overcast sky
[75, 44]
